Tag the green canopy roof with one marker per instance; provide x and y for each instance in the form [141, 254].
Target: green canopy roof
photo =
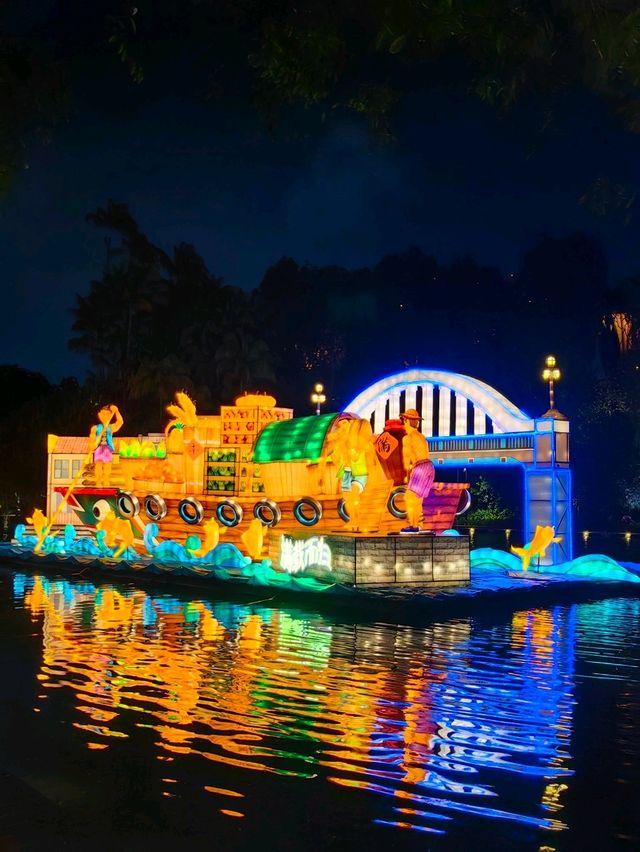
[299, 439]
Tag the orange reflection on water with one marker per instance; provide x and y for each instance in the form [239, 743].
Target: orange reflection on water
[270, 692]
[166, 676]
[221, 791]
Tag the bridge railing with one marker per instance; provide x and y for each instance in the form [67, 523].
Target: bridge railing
[476, 442]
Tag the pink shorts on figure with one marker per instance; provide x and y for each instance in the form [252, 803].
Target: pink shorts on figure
[103, 454]
[421, 479]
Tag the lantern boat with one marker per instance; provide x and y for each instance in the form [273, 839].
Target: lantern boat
[256, 461]
[250, 495]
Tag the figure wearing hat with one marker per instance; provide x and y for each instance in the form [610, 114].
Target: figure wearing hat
[419, 467]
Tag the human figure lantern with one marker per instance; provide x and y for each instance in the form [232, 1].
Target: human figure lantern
[101, 439]
[419, 467]
[361, 460]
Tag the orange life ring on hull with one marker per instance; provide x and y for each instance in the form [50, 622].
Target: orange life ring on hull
[155, 507]
[307, 511]
[392, 507]
[127, 504]
[342, 511]
[229, 513]
[267, 512]
[191, 511]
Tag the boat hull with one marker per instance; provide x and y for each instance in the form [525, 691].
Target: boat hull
[441, 507]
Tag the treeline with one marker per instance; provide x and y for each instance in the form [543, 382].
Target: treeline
[158, 321]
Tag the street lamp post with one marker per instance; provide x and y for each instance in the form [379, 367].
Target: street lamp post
[317, 397]
[551, 374]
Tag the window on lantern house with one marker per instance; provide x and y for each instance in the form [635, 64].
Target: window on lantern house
[61, 469]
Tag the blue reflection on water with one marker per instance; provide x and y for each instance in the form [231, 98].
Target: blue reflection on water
[448, 728]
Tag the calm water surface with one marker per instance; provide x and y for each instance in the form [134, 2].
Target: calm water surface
[149, 720]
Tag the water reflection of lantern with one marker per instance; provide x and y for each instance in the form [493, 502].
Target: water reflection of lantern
[268, 690]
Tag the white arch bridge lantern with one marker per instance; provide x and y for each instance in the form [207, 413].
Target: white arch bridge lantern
[468, 423]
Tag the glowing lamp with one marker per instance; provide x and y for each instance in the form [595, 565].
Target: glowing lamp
[317, 397]
[551, 374]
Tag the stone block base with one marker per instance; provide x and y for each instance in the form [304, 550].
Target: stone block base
[371, 560]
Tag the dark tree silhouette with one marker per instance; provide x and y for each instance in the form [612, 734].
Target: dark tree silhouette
[333, 57]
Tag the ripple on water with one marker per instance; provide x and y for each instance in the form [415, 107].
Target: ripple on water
[440, 727]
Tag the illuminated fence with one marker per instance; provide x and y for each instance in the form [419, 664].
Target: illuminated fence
[510, 442]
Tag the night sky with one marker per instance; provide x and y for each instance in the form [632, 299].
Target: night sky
[459, 178]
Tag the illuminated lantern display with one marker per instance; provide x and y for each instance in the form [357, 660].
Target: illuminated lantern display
[209, 492]
[537, 547]
[101, 440]
[329, 500]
